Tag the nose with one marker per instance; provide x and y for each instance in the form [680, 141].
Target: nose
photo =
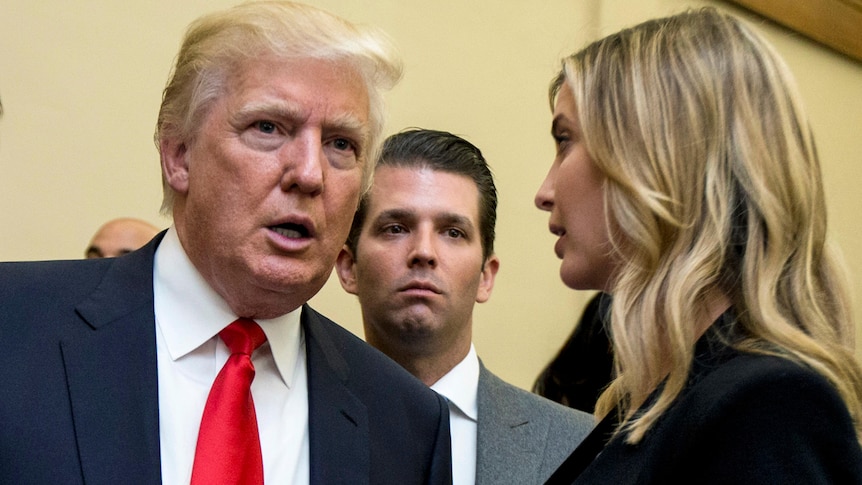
[545, 195]
[423, 252]
[303, 163]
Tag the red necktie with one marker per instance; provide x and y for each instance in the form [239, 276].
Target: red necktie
[228, 449]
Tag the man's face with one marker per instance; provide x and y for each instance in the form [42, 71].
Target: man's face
[418, 265]
[267, 189]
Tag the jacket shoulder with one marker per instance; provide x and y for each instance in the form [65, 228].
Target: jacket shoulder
[768, 415]
[522, 437]
[495, 392]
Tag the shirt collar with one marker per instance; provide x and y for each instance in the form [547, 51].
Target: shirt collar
[460, 385]
[190, 313]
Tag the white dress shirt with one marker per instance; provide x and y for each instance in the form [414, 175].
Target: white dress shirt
[189, 316]
[460, 387]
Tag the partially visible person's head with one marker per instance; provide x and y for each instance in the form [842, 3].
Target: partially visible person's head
[695, 123]
[218, 46]
[120, 236]
[419, 256]
[442, 151]
[267, 133]
[711, 189]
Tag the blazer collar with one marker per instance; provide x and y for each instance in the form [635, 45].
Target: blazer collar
[112, 375]
[338, 419]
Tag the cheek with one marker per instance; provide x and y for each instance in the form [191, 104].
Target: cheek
[214, 180]
[343, 195]
[371, 278]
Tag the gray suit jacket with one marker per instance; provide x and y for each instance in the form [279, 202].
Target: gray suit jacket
[522, 437]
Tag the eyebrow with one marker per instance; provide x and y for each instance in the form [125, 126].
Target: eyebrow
[394, 215]
[285, 110]
[452, 219]
[347, 122]
[344, 122]
[446, 218]
[276, 109]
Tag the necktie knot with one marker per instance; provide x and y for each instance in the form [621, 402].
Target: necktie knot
[243, 336]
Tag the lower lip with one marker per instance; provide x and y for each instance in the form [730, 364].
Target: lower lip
[419, 292]
[558, 247]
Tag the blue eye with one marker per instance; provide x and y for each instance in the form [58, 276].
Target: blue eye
[341, 144]
[266, 126]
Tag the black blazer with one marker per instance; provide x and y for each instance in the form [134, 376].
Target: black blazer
[742, 419]
[80, 394]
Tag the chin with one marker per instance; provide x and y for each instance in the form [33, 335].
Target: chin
[575, 281]
[582, 274]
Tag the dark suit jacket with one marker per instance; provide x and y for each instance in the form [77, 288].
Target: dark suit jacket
[742, 419]
[79, 386]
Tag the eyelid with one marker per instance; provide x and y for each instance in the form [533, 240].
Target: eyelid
[353, 144]
[561, 140]
[386, 226]
[348, 129]
[276, 127]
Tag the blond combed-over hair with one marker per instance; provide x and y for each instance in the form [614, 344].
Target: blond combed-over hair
[216, 46]
[713, 185]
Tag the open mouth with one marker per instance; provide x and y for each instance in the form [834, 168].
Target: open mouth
[290, 230]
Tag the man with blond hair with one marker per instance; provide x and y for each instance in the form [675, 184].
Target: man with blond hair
[196, 359]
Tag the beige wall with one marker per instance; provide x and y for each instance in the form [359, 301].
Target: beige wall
[81, 82]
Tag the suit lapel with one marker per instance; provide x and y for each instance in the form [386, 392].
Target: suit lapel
[509, 437]
[338, 420]
[112, 376]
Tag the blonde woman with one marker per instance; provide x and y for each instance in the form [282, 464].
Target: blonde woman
[687, 185]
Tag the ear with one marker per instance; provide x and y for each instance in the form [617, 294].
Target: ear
[175, 164]
[486, 284]
[345, 266]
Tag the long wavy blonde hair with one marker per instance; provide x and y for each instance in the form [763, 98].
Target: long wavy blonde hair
[713, 185]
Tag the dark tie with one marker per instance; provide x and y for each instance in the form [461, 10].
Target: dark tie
[228, 449]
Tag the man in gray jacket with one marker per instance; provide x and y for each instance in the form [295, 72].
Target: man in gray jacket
[419, 256]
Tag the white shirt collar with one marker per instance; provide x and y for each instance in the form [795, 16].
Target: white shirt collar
[190, 313]
[461, 384]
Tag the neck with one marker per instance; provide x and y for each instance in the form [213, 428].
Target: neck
[715, 303]
[426, 366]
[427, 371]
